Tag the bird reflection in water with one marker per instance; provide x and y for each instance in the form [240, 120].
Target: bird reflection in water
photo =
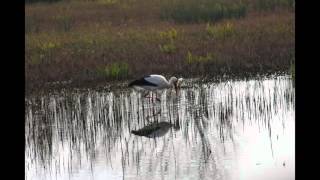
[156, 129]
[153, 130]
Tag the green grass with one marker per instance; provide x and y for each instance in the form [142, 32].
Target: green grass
[168, 38]
[221, 30]
[114, 70]
[190, 58]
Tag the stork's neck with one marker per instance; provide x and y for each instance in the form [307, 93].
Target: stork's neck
[171, 82]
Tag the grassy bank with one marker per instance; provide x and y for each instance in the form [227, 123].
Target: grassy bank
[81, 42]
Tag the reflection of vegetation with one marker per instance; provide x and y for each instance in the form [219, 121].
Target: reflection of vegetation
[93, 125]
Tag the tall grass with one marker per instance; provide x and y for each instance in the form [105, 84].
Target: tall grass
[114, 70]
[64, 22]
[168, 38]
[190, 58]
[31, 24]
[221, 30]
[90, 42]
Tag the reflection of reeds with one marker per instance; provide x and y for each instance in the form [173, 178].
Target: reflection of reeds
[93, 125]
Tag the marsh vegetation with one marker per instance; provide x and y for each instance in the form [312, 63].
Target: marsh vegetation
[94, 42]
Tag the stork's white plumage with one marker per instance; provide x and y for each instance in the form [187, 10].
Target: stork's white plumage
[154, 82]
[179, 82]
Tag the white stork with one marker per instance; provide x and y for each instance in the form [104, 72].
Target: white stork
[153, 83]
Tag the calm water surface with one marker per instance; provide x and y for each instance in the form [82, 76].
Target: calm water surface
[235, 129]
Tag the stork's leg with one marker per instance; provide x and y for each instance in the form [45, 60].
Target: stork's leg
[158, 99]
[151, 96]
[146, 94]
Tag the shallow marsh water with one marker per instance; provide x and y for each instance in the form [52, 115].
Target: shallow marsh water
[235, 129]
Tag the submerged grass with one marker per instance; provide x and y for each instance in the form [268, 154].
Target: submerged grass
[98, 41]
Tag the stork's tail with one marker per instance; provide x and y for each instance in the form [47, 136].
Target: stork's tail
[132, 83]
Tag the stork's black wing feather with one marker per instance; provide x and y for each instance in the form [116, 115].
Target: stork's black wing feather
[141, 82]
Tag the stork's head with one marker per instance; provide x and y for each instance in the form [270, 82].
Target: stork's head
[178, 84]
[173, 82]
[176, 87]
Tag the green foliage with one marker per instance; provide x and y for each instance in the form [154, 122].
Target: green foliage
[202, 10]
[190, 58]
[168, 38]
[170, 35]
[220, 31]
[114, 70]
